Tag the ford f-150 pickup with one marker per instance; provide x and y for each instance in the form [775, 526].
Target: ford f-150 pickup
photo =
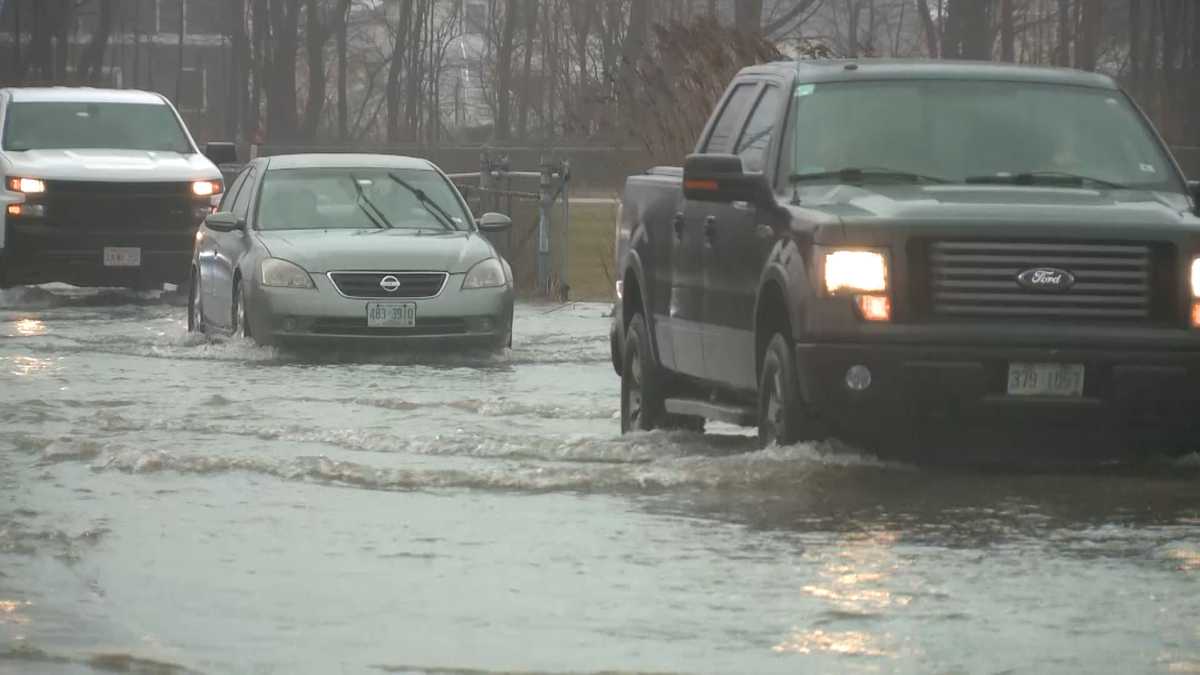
[863, 245]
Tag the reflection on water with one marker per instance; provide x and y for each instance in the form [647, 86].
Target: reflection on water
[856, 578]
[30, 327]
[846, 643]
[10, 611]
[23, 366]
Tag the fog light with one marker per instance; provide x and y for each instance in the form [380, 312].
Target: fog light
[858, 378]
[27, 210]
[874, 307]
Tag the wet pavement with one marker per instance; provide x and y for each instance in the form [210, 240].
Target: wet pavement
[170, 504]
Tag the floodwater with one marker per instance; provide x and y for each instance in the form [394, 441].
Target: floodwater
[176, 505]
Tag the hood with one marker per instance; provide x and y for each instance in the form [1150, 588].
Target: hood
[110, 165]
[991, 204]
[320, 251]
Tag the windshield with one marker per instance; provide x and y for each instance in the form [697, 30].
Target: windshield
[359, 198]
[73, 125]
[957, 130]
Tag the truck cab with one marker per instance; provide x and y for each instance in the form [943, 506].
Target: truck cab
[111, 187]
[869, 244]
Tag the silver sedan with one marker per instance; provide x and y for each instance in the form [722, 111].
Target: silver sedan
[349, 247]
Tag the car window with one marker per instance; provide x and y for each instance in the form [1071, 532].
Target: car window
[360, 198]
[241, 203]
[230, 195]
[752, 146]
[721, 139]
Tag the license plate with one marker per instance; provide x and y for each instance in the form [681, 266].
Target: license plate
[391, 315]
[1045, 379]
[122, 256]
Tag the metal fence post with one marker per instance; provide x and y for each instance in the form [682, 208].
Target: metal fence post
[564, 175]
[545, 202]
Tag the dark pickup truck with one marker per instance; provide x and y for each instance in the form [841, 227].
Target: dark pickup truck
[869, 245]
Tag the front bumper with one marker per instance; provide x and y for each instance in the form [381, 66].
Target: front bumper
[1122, 386]
[36, 252]
[478, 317]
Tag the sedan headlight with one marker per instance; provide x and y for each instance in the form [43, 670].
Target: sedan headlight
[26, 185]
[284, 274]
[485, 274]
[855, 271]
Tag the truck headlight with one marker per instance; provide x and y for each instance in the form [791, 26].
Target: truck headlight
[485, 274]
[206, 188]
[855, 271]
[283, 274]
[1195, 292]
[26, 185]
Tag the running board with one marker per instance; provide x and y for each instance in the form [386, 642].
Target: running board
[733, 414]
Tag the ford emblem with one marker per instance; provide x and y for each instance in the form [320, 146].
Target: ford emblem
[1048, 279]
[390, 284]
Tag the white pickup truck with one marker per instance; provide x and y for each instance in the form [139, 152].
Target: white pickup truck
[101, 187]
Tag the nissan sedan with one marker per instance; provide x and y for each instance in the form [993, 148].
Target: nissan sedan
[350, 247]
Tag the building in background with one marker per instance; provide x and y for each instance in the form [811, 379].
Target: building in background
[144, 50]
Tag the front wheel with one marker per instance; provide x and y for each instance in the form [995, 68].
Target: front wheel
[641, 391]
[241, 327]
[782, 415]
[195, 311]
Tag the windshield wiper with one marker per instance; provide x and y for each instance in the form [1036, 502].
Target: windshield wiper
[863, 174]
[1043, 178]
[437, 211]
[377, 218]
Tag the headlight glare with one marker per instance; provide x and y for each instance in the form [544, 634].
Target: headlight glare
[283, 274]
[485, 274]
[206, 188]
[857, 271]
[26, 185]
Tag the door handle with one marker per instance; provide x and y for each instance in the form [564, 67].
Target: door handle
[741, 205]
[677, 223]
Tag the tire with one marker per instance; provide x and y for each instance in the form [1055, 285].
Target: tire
[239, 322]
[641, 382]
[782, 418]
[195, 311]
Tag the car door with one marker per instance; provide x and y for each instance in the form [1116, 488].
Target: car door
[736, 245]
[690, 225]
[206, 256]
[229, 247]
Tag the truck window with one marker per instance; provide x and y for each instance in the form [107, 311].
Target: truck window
[58, 125]
[752, 146]
[963, 129]
[721, 139]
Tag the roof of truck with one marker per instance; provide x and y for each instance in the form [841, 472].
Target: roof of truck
[83, 95]
[845, 70]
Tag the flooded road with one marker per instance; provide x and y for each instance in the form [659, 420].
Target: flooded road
[170, 504]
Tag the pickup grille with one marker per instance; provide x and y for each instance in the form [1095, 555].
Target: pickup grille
[367, 284]
[1114, 282]
[120, 207]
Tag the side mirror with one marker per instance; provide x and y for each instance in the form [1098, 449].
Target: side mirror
[721, 178]
[494, 222]
[221, 152]
[224, 221]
